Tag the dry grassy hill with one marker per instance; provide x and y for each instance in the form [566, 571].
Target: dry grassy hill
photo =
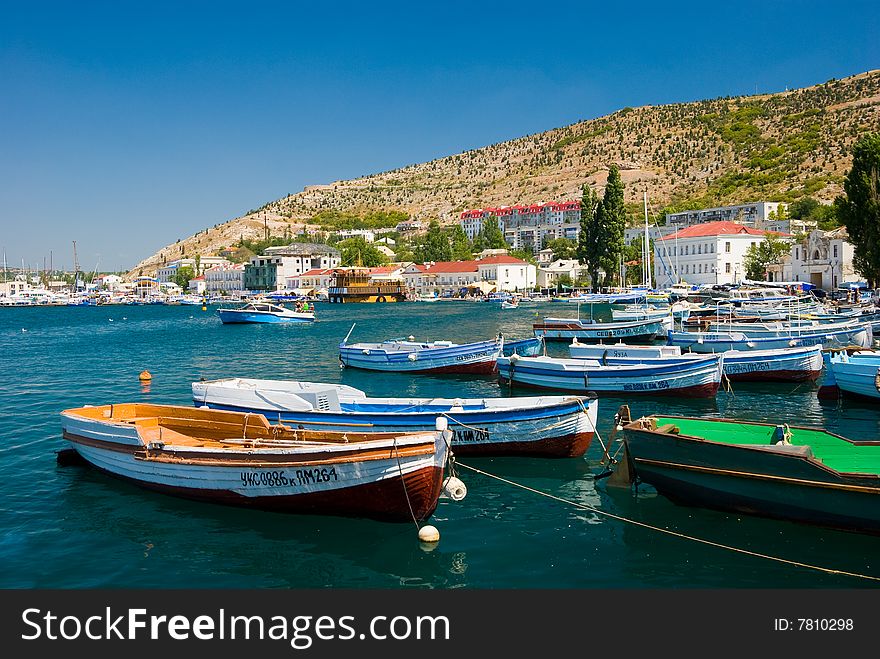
[725, 150]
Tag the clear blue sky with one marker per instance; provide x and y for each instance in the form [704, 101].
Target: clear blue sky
[125, 126]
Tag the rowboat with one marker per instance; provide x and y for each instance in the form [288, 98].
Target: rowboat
[793, 473]
[699, 377]
[548, 426]
[714, 342]
[856, 374]
[590, 330]
[242, 459]
[512, 304]
[265, 312]
[408, 356]
[790, 364]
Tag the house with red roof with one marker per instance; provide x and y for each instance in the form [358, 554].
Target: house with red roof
[708, 253]
[500, 272]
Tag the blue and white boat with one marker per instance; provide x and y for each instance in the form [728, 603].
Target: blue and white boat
[265, 312]
[789, 364]
[590, 330]
[549, 426]
[409, 356]
[699, 377]
[857, 373]
[715, 342]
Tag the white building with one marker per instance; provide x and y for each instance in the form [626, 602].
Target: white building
[500, 272]
[225, 279]
[549, 274]
[387, 251]
[366, 234]
[312, 280]
[197, 285]
[168, 271]
[751, 214]
[276, 265]
[14, 286]
[822, 258]
[709, 253]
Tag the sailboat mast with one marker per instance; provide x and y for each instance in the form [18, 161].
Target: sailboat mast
[647, 259]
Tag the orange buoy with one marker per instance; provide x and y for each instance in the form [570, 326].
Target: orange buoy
[145, 376]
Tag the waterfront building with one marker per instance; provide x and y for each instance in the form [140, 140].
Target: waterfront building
[821, 258]
[311, 281]
[270, 270]
[548, 274]
[709, 253]
[197, 285]
[499, 272]
[224, 279]
[19, 284]
[168, 271]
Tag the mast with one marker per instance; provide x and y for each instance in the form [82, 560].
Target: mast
[75, 270]
[645, 248]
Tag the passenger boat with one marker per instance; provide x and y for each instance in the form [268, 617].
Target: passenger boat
[714, 342]
[773, 470]
[548, 426]
[409, 356]
[265, 312]
[797, 364]
[242, 459]
[700, 377]
[856, 374]
[589, 330]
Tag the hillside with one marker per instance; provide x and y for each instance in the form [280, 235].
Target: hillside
[726, 150]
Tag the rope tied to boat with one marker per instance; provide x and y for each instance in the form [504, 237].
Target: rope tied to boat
[675, 534]
[403, 481]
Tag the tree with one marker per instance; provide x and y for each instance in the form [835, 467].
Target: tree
[612, 220]
[358, 252]
[461, 246]
[859, 210]
[562, 248]
[524, 255]
[183, 275]
[769, 251]
[589, 249]
[492, 234]
[435, 245]
[807, 209]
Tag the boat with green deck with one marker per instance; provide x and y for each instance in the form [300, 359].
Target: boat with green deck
[774, 470]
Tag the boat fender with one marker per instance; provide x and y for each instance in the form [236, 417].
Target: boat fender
[412, 356]
[454, 488]
[366, 351]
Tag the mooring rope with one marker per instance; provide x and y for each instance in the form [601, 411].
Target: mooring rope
[675, 534]
[403, 481]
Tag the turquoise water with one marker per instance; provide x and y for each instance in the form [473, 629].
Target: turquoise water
[71, 527]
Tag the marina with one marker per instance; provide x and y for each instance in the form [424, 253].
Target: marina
[88, 506]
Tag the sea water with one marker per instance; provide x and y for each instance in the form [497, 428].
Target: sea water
[73, 527]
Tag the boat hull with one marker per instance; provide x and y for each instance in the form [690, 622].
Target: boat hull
[721, 342]
[690, 378]
[759, 482]
[476, 359]
[386, 483]
[857, 376]
[559, 430]
[232, 316]
[567, 329]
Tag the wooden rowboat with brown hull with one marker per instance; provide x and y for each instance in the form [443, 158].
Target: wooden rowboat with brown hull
[242, 459]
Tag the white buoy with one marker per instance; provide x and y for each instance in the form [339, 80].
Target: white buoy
[429, 533]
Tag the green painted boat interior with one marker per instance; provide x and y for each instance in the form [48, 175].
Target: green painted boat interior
[834, 452]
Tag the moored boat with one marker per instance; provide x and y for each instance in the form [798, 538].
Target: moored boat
[856, 374]
[523, 347]
[590, 330]
[789, 364]
[265, 312]
[699, 377]
[714, 342]
[547, 426]
[242, 459]
[799, 474]
[409, 356]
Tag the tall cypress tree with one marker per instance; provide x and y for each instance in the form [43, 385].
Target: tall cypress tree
[461, 246]
[613, 220]
[589, 249]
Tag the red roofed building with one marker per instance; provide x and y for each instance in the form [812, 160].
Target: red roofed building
[709, 253]
[525, 227]
[500, 272]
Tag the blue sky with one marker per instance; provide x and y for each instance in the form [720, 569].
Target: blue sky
[125, 126]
